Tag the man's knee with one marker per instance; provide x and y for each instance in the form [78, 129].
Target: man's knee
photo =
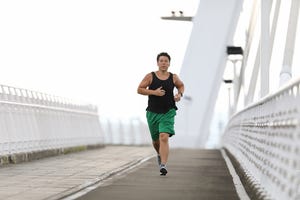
[163, 137]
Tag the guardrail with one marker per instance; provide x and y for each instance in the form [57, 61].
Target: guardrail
[34, 121]
[263, 140]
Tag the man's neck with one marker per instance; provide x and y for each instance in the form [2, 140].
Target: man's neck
[163, 72]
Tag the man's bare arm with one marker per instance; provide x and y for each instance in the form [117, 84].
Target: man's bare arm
[143, 87]
[178, 84]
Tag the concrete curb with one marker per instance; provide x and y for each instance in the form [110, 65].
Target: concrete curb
[17, 158]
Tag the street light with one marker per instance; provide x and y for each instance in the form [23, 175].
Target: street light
[235, 54]
[181, 17]
[234, 50]
[228, 82]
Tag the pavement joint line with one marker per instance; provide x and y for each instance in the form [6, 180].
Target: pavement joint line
[236, 179]
[84, 188]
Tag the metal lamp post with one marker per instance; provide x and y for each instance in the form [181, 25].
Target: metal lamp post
[235, 54]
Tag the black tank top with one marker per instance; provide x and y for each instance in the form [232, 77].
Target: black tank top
[161, 104]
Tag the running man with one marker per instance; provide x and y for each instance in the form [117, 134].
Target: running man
[161, 110]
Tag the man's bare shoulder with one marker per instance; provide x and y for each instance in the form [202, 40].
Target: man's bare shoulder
[175, 77]
[149, 75]
[147, 79]
[177, 80]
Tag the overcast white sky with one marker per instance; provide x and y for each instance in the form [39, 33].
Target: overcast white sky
[90, 50]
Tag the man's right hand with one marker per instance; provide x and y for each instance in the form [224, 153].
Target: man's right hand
[159, 91]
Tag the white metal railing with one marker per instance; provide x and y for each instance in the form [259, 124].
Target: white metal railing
[265, 140]
[34, 121]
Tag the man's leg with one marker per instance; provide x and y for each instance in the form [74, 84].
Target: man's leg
[156, 145]
[164, 152]
[164, 147]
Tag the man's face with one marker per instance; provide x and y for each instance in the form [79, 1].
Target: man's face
[163, 63]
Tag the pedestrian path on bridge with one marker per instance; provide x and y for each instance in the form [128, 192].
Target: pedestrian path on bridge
[120, 172]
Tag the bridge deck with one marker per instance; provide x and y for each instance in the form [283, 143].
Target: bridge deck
[193, 174]
[118, 173]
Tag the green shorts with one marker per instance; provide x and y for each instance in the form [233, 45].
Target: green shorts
[161, 123]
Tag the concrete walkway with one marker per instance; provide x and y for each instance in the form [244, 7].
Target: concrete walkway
[193, 175]
[59, 176]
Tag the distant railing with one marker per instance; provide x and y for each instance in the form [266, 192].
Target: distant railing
[264, 140]
[34, 121]
[126, 132]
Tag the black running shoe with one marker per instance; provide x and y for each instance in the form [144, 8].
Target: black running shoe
[163, 170]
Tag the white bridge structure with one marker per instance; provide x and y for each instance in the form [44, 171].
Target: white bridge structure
[246, 48]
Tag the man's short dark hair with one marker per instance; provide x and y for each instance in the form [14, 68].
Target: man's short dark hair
[163, 54]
